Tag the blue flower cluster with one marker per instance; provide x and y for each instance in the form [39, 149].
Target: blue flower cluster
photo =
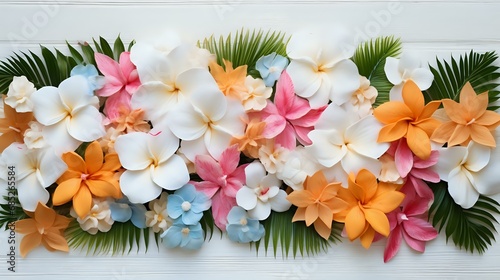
[186, 206]
[241, 228]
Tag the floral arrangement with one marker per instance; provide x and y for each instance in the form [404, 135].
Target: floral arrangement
[291, 141]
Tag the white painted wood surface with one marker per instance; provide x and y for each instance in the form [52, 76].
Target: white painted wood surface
[430, 28]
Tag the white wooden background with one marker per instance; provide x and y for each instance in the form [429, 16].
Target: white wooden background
[427, 27]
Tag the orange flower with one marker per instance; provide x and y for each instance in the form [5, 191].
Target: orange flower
[130, 121]
[43, 227]
[368, 201]
[12, 127]
[94, 176]
[410, 119]
[467, 120]
[251, 142]
[232, 81]
[317, 203]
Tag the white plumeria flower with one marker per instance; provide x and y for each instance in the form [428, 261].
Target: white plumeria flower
[207, 123]
[157, 218]
[345, 143]
[98, 219]
[18, 96]
[151, 164]
[299, 164]
[262, 193]
[35, 171]
[33, 136]
[320, 67]
[169, 80]
[70, 115]
[255, 98]
[469, 172]
[398, 71]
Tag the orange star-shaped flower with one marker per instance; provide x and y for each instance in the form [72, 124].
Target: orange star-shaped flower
[411, 119]
[131, 121]
[232, 81]
[317, 203]
[12, 127]
[94, 176]
[467, 120]
[45, 227]
[369, 202]
[252, 140]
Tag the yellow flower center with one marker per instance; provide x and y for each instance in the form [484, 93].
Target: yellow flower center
[185, 231]
[243, 221]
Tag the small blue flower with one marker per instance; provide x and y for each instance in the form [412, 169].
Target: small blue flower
[90, 72]
[270, 67]
[241, 228]
[188, 204]
[123, 210]
[184, 236]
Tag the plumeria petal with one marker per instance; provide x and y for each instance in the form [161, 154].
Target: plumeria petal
[461, 188]
[172, 174]
[246, 198]
[138, 186]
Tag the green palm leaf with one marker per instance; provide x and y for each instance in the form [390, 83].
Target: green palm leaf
[52, 67]
[49, 69]
[478, 69]
[11, 210]
[472, 229]
[282, 232]
[370, 58]
[120, 239]
[245, 48]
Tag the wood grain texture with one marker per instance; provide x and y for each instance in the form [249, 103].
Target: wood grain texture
[429, 28]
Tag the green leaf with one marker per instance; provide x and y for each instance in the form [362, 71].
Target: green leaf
[470, 229]
[120, 239]
[106, 48]
[282, 232]
[49, 69]
[370, 58]
[88, 53]
[245, 48]
[10, 209]
[450, 76]
[118, 48]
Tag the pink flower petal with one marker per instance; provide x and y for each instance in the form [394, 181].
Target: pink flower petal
[109, 67]
[393, 244]
[111, 87]
[126, 65]
[417, 245]
[275, 124]
[221, 205]
[302, 133]
[229, 159]
[115, 102]
[208, 169]
[403, 158]
[417, 206]
[421, 188]
[308, 119]
[235, 181]
[285, 94]
[419, 229]
[207, 187]
[432, 160]
[286, 138]
[425, 174]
